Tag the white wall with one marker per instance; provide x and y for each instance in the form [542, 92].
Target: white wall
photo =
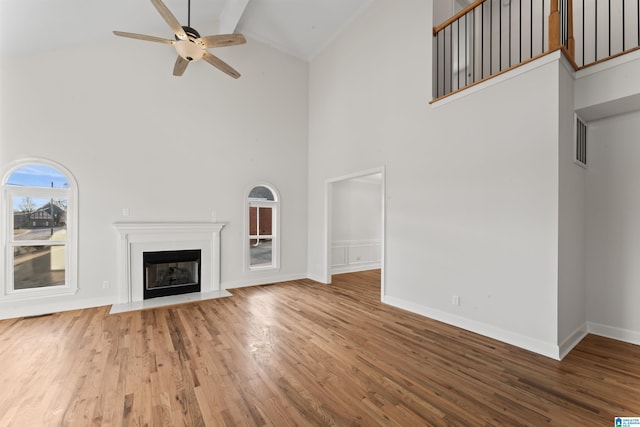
[472, 185]
[167, 148]
[607, 95]
[443, 10]
[572, 319]
[613, 229]
[609, 88]
[357, 210]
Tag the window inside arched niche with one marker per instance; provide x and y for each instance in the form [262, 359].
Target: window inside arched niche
[39, 216]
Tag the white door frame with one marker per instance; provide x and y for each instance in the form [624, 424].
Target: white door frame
[328, 202]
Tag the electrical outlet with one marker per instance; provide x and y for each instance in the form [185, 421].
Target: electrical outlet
[105, 284]
[125, 212]
[214, 216]
[455, 300]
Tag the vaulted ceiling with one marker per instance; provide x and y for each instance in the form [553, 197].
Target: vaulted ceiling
[298, 27]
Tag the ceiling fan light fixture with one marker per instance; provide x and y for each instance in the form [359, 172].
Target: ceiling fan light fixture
[189, 50]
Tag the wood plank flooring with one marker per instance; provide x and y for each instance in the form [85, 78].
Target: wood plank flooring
[298, 353]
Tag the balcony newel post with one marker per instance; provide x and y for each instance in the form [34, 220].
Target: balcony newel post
[554, 26]
[571, 42]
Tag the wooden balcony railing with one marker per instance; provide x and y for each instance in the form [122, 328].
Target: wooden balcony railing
[490, 37]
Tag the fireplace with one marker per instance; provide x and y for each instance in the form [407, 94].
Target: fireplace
[138, 238]
[171, 272]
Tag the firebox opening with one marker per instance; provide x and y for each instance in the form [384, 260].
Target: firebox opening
[171, 273]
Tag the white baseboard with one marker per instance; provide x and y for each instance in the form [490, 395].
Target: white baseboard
[355, 268]
[48, 308]
[316, 278]
[620, 334]
[544, 348]
[573, 340]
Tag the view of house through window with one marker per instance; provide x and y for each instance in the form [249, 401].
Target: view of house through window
[262, 226]
[38, 198]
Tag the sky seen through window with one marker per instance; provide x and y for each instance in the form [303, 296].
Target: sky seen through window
[36, 175]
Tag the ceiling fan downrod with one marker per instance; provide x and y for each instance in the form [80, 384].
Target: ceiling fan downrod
[189, 14]
[192, 33]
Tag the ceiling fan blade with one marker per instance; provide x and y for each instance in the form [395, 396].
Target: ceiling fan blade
[143, 37]
[181, 65]
[220, 64]
[222, 40]
[170, 19]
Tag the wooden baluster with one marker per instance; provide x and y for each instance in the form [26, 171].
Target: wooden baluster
[571, 42]
[554, 26]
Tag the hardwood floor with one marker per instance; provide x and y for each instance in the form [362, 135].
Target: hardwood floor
[298, 353]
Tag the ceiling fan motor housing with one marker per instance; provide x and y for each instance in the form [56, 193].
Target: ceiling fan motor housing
[192, 33]
[190, 49]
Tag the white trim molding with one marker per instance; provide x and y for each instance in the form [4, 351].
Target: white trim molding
[613, 332]
[138, 237]
[348, 256]
[70, 243]
[274, 205]
[572, 340]
[543, 348]
[325, 274]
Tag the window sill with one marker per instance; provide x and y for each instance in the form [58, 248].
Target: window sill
[38, 293]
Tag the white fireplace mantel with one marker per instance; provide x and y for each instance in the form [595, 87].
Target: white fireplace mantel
[139, 237]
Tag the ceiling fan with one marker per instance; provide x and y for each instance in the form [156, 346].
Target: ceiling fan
[190, 46]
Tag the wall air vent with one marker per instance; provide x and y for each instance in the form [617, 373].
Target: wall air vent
[581, 143]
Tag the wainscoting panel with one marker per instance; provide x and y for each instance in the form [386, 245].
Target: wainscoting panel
[355, 255]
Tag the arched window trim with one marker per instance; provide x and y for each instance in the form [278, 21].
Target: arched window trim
[275, 232]
[7, 293]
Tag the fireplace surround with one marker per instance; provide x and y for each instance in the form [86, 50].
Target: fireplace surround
[136, 238]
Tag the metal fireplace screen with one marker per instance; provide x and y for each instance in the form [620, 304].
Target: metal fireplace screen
[171, 272]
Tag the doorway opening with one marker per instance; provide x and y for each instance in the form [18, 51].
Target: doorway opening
[355, 224]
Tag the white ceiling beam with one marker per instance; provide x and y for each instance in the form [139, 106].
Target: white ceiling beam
[231, 15]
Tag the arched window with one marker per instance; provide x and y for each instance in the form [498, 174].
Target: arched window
[39, 226]
[262, 226]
